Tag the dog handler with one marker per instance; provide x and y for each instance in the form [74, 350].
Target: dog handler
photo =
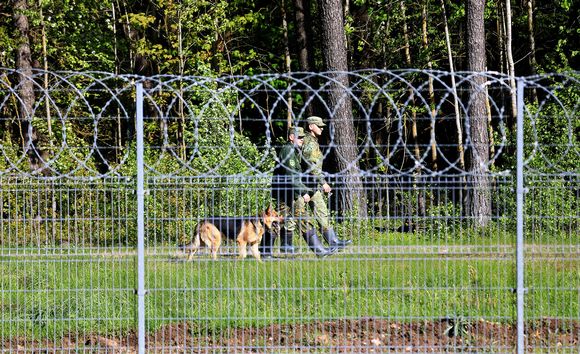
[312, 157]
[292, 197]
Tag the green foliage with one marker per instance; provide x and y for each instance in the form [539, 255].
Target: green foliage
[175, 205]
[237, 36]
[550, 209]
[10, 155]
[54, 213]
[551, 135]
[551, 144]
[79, 35]
[212, 38]
[443, 221]
[8, 47]
[550, 206]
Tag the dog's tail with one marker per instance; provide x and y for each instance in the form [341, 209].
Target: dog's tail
[185, 246]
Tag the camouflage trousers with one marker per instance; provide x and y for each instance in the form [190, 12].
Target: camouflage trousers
[320, 210]
[296, 216]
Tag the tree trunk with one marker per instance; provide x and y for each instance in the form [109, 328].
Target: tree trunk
[425, 41]
[414, 131]
[303, 44]
[50, 152]
[302, 16]
[345, 16]
[501, 35]
[532, 40]
[287, 63]
[27, 133]
[181, 107]
[489, 124]
[478, 203]
[45, 83]
[458, 124]
[353, 199]
[119, 127]
[510, 59]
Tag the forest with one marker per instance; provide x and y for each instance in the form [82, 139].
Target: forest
[198, 37]
[452, 148]
[220, 39]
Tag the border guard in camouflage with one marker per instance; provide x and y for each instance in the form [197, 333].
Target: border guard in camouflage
[312, 158]
[292, 196]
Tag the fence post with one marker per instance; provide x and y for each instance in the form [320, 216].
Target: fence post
[140, 223]
[520, 191]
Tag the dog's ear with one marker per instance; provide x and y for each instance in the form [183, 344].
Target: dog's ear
[270, 210]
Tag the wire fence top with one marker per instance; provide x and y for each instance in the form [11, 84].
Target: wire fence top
[405, 122]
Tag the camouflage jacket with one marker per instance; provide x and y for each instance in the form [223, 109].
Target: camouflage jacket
[287, 182]
[312, 156]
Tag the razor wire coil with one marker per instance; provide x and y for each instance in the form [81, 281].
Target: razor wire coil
[68, 126]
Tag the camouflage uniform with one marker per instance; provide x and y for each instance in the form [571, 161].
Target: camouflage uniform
[288, 189]
[312, 156]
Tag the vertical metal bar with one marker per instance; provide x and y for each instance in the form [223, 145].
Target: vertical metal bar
[140, 224]
[520, 290]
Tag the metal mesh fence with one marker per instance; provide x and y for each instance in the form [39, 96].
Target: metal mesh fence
[105, 180]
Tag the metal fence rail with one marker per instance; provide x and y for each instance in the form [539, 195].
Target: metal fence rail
[105, 175]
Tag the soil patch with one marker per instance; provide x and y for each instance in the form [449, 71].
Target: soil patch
[363, 335]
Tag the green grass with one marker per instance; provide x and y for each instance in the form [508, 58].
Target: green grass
[50, 297]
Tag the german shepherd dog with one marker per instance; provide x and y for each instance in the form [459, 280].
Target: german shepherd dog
[245, 231]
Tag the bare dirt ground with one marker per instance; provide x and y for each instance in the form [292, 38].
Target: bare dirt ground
[343, 336]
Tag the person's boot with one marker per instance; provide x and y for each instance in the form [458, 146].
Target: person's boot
[316, 246]
[286, 242]
[267, 244]
[333, 241]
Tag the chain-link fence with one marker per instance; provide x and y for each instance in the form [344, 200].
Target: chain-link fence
[463, 222]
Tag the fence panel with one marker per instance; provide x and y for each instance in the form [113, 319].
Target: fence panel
[67, 270]
[423, 272]
[68, 216]
[552, 212]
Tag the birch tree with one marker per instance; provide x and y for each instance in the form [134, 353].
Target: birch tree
[510, 57]
[532, 41]
[458, 124]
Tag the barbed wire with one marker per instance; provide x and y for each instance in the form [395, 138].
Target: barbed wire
[82, 124]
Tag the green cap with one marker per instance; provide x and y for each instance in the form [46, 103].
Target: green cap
[297, 131]
[315, 120]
